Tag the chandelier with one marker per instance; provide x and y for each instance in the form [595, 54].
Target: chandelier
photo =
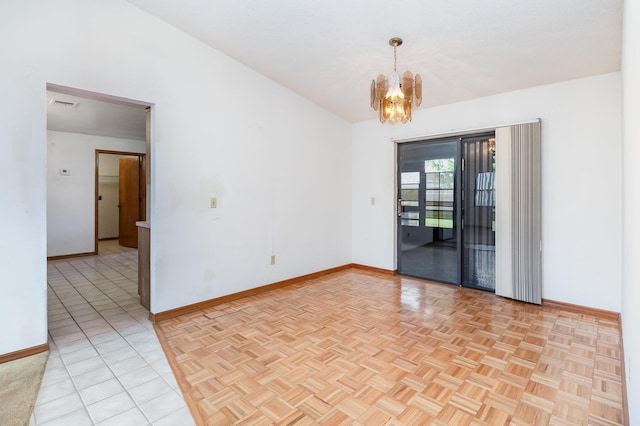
[393, 95]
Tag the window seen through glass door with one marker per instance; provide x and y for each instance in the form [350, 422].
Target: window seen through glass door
[410, 190]
[439, 195]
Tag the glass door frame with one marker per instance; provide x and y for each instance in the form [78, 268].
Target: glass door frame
[469, 139]
[458, 207]
[421, 205]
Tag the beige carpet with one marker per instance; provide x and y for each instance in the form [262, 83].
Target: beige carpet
[19, 385]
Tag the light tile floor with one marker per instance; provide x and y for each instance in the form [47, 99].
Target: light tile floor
[105, 364]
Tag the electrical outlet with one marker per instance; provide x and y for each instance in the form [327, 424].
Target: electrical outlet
[273, 259]
[214, 203]
[373, 201]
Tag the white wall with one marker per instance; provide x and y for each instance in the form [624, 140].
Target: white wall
[278, 164]
[631, 205]
[581, 146]
[71, 198]
[109, 164]
[23, 248]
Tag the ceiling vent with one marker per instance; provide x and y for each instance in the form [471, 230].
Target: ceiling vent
[64, 104]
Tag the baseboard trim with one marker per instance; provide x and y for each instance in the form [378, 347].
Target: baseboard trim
[70, 256]
[161, 316]
[23, 353]
[373, 269]
[164, 315]
[578, 309]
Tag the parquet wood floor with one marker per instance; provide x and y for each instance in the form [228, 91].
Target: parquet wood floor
[357, 347]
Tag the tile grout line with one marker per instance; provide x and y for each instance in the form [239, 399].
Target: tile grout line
[78, 391]
[73, 267]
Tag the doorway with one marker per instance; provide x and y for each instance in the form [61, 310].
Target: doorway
[78, 124]
[120, 196]
[446, 210]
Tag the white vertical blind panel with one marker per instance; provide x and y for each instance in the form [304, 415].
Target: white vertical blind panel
[519, 213]
[504, 274]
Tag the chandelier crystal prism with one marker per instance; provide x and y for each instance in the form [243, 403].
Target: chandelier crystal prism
[394, 95]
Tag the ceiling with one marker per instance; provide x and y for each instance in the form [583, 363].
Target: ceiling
[329, 51]
[75, 114]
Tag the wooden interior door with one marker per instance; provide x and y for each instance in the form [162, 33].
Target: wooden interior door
[129, 201]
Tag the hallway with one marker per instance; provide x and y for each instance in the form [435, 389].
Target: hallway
[105, 365]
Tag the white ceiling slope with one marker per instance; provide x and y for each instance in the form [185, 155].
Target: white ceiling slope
[329, 51]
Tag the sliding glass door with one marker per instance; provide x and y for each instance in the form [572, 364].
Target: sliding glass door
[479, 213]
[428, 233]
[446, 210]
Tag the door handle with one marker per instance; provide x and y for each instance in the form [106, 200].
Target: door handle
[399, 207]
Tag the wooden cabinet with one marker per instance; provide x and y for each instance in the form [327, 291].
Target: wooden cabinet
[143, 263]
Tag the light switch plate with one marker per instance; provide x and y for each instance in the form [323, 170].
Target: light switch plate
[214, 203]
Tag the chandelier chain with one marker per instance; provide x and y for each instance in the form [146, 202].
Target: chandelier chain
[395, 57]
